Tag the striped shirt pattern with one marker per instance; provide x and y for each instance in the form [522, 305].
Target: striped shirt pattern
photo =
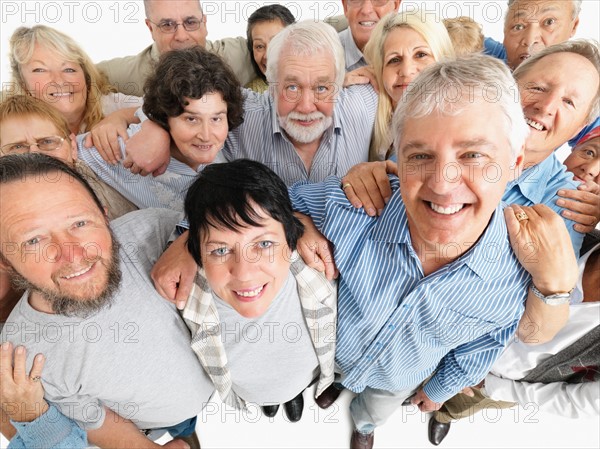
[396, 326]
[344, 145]
[353, 55]
[166, 191]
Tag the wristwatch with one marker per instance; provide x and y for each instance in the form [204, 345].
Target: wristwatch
[556, 299]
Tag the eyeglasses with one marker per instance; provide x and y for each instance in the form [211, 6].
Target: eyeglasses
[45, 144]
[359, 3]
[170, 27]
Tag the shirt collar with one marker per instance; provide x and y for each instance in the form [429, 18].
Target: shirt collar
[392, 227]
[351, 52]
[530, 182]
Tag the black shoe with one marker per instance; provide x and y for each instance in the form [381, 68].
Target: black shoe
[362, 440]
[270, 410]
[328, 397]
[293, 409]
[437, 431]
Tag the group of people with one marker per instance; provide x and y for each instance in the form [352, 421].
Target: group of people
[378, 189]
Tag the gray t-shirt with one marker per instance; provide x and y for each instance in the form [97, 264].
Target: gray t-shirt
[133, 357]
[271, 358]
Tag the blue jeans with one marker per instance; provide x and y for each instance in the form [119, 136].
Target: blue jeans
[183, 429]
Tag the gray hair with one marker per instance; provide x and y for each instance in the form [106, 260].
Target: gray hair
[306, 38]
[450, 87]
[148, 7]
[574, 13]
[588, 48]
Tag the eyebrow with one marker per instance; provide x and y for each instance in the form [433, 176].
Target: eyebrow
[463, 144]
[258, 237]
[526, 12]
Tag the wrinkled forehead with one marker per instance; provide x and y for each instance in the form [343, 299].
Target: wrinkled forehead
[173, 9]
[531, 10]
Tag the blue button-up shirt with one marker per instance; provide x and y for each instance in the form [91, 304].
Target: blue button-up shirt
[494, 48]
[353, 56]
[397, 326]
[539, 185]
[342, 146]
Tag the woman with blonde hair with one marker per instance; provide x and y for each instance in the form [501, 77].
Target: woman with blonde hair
[400, 46]
[51, 66]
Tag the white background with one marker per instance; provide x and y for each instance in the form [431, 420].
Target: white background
[113, 28]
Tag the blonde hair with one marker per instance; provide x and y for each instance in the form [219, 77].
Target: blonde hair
[26, 105]
[22, 45]
[466, 35]
[436, 36]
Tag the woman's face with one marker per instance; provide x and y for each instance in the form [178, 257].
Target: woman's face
[405, 54]
[200, 132]
[58, 82]
[262, 33]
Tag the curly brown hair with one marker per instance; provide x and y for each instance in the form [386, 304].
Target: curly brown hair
[190, 73]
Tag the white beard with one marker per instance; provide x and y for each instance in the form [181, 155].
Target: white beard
[304, 134]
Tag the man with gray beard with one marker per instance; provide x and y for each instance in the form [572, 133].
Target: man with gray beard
[91, 309]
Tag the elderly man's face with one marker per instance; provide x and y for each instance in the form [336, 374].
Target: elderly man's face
[584, 161]
[306, 93]
[363, 16]
[556, 94]
[56, 242]
[532, 25]
[185, 13]
[453, 172]
[28, 129]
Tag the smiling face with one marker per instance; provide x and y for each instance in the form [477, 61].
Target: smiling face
[532, 25]
[63, 248]
[405, 54]
[453, 172]
[584, 161]
[262, 33]
[200, 132]
[305, 95]
[556, 94]
[248, 267]
[363, 16]
[31, 128]
[58, 82]
[176, 11]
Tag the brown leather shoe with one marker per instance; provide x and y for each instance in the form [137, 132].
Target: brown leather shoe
[328, 397]
[437, 431]
[362, 440]
[192, 440]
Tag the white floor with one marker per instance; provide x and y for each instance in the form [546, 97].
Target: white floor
[220, 427]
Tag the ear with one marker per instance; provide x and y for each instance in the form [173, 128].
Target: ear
[345, 6]
[396, 5]
[149, 25]
[575, 25]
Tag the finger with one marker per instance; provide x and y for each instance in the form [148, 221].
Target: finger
[350, 194]
[6, 363]
[391, 168]
[183, 290]
[580, 195]
[19, 367]
[512, 225]
[164, 289]
[127, 162]
[577, 206]
[160, 170]
[583, 229]
[143, 172]
[134, 169]
[102, 145]
[383, 185]
[115, 146]
[37, 367]
[582, 219]
[88, 142]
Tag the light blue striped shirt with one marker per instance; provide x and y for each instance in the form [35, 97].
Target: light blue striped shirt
[397, 326]
[539, 185]
[344, 145]
[166, 191]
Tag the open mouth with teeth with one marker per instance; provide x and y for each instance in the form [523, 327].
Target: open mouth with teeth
[77, 274]
[535, 125]
[249, 295]
[61, 94]
[368, 23]
[524, 56]
[449, 210]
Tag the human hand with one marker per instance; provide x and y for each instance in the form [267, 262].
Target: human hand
[543, 246]
[582, 206]
[315, 249]
[367, 185]
[424, 403]
[105, 135]
[174, 272]
[142, 158]
[22, 394]
[362, 75]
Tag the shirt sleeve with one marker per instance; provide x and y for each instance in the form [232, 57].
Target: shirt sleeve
[311, 199]
[559, 398]
[467, 364]
[52, 430]
[494, 48]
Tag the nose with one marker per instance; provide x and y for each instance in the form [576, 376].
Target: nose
[63, 248]
[244, 265]
[203, 131]
[591, 169]
[547, 103]
[407, 69]
[181, 34]
[366, 6]
[531, 36]
[443, 177]
[306, 102]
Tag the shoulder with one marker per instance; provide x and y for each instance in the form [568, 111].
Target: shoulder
[142, 224]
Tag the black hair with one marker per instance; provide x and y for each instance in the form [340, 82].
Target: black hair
[17, 167]
[190, 73]
[266, 13]
[225, 196]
